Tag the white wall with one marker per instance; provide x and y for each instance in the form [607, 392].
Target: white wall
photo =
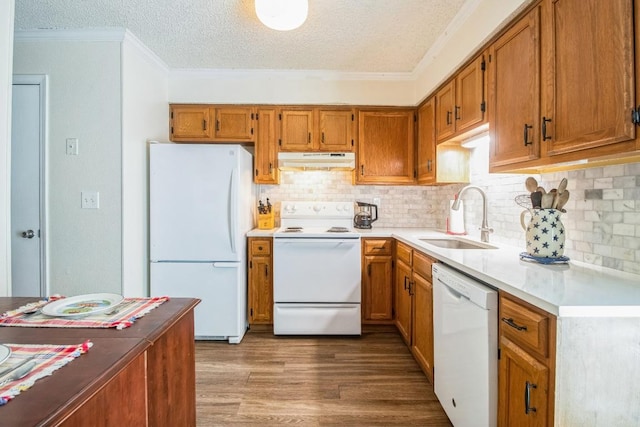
[145, 116]
[289, 87]
[85, 103]
[6, 60]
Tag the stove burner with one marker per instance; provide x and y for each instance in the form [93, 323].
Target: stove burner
[293, 230]
[338, 230]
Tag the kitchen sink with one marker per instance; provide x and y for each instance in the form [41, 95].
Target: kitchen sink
[457, 244]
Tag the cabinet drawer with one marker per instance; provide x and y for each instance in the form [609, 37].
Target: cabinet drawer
[404, 253]
[422, 265]
[260, 247]
[376, 246]
[525, 325]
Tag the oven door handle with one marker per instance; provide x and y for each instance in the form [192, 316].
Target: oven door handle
[308, 241]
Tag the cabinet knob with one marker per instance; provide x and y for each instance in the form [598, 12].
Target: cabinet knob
[259, 248]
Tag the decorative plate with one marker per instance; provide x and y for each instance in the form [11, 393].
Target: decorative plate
[544, 260]
[82, 305]
[5, 352]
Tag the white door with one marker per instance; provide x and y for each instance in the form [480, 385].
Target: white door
[193, 202]
[27, 183]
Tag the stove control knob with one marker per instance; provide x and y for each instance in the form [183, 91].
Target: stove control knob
[317, 208]
[339, 208]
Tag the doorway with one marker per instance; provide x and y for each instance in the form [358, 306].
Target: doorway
[28, 186]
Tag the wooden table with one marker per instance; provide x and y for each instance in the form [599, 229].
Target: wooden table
[143, 375]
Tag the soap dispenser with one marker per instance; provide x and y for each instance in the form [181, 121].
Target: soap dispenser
[455, 220]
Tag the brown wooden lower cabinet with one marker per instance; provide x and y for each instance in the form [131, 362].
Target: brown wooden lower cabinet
[260, 293]
[422, 339]
[526, 367]
[377, 280]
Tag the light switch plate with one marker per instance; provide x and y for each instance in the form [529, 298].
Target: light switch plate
[90, 200]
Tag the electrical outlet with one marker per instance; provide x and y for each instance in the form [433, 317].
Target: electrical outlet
[90, 200]
[72, 146]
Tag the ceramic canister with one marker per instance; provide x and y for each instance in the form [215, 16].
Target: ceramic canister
[545, 233]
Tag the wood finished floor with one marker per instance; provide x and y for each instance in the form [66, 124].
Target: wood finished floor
[266, 380]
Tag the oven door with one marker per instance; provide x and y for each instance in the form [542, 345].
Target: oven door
[316, 270]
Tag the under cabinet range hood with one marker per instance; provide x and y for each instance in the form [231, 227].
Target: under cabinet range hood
[316, 161]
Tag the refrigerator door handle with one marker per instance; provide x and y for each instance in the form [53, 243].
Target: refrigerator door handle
[232, 206]
[226, 264]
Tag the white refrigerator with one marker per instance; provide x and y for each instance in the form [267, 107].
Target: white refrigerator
[201, 206]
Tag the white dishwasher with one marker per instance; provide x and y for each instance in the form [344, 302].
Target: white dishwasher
[465, 342]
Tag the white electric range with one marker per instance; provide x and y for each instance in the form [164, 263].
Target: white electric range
[316, 270]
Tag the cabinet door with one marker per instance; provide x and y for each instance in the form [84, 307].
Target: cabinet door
[335, 132]
[426, 143]
[445, 123]
[190, 123]
[422, 343]
[514, 93]
[386, 147]
[265, 150]
[469, 108]
[296, 130]
[234, 124]
[589, 90]
[403, 301]
[377, 288]
[260, 294]
[523, 388]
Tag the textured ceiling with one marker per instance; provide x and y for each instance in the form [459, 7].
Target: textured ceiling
[381, 36]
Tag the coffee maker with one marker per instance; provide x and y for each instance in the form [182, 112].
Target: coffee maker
[367, 213]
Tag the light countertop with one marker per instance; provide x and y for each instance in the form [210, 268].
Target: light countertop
[575, 289]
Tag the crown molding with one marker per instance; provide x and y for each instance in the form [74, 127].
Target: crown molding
[65, 34]
[454, 27]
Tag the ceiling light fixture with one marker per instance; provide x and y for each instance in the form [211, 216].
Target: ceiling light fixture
[282, 15]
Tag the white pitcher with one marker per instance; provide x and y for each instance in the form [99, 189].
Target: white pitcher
[545, 233]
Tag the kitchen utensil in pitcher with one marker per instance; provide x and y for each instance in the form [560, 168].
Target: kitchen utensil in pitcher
[547, 201]
[536, 200]
[545, 233]
[531, 184]
[524, 200]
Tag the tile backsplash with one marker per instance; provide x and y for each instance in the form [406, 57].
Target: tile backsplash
[602, 219]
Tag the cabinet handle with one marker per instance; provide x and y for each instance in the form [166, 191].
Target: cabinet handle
[204, 125]
[309, 141]
[369, 270]
[448, 117]
[457, 112]
[411, 284]
[266, 271]
[429, 165]
[545, 120]
[526, 134]
[270, 167]
[217, 125]
[405, 282]
[362, 170]
[322, 138]
[527, 397]
[513, 324]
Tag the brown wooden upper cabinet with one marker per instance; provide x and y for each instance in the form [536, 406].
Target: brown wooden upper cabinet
[207, 123]
[562, 85]
[460, 104]
[266, 150]
[316, 129]
[426, 149]
[386, 146]
[514, 93]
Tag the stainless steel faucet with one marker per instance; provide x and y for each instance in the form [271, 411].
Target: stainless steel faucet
[484, 229]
